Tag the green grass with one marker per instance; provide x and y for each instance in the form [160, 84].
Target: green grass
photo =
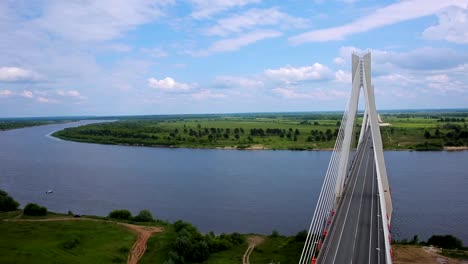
[7, 215]
[158, 246]
[64, 242]
[231, 256]
[406, 131]
[455, 253]
[279, 249]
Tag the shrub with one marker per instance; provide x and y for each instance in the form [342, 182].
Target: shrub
[143, 216]
[301, 236]
[447, 241]
[71, 243]
[33, 209]
[7, 203]
[121, 214]
[274, 233]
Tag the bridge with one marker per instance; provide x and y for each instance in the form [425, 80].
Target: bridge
[351, 222]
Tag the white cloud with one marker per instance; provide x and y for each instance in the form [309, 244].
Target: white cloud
[5, 93]
[254, 18]
[207, 94]
[290, 74]
[15, 74]
[98, 20]
[339, 61]
[119, 47]
[155, 52]
[47, 100]
[71, 93]
[425, 58]
[27, 94]
[169, 84]
[438, 78]
[208, 8]
[233, 44]
[343, 77]
[391, 14]
[329, 94]
[237, 82]
[452, 26]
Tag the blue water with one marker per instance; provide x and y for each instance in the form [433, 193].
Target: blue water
[222, 190]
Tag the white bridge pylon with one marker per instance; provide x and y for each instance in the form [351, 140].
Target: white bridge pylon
[361, 78]
[340, 162]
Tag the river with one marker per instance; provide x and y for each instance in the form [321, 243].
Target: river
[222, 190]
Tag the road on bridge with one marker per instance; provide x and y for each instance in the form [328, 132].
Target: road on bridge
[356, 234]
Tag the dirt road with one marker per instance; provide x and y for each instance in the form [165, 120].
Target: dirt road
[253, 241]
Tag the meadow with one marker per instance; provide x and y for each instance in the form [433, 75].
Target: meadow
[64, 242]
[301, 131]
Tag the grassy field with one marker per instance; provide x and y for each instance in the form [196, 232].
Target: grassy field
[64, 242]
[278, 249]
[418, 131]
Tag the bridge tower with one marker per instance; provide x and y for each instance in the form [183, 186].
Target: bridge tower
[341, 167]
[361, 79]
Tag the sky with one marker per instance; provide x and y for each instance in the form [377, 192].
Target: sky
[135, 57]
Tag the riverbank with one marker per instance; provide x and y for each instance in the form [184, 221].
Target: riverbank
[6, 125]
[272, 132]
[58, 237]
[251, 147]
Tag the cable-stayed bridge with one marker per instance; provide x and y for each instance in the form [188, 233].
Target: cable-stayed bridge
[351, 222]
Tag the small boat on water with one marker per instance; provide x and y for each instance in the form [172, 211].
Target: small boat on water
[49, 191]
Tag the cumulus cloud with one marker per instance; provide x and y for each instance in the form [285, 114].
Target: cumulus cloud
[233, 44]
[339, 61]
[208, 8]
[206, 94]
[290, 74]
[254, 18]
[169, 84]
[15, 74]
[343, 77]
[391, 14]
[452, 26]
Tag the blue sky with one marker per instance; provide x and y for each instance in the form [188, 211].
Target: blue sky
[122, 57]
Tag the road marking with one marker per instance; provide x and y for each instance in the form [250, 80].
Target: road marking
[372, 212]
[360, 206]
[337, 216]
[347, 211]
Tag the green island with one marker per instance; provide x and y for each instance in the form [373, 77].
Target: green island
[9, 124]
[34, 235]
[415, 130]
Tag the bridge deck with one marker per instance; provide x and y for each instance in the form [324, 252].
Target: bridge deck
[356, 234]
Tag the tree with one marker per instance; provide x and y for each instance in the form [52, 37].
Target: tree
[445, 241]
[7, 203]
[121, 214]
[143, 216]
[34, 210]
[427, 134]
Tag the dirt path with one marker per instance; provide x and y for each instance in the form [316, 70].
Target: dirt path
[143, 233]
[253, 241]
[420, 255]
